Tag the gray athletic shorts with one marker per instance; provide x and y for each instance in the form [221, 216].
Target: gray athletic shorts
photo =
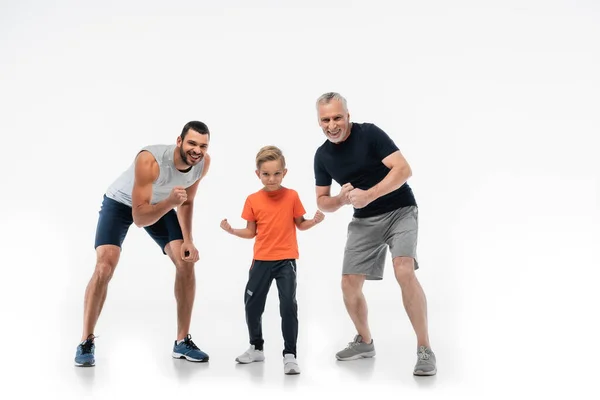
[369, 238]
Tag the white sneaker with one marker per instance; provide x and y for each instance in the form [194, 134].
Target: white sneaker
[290, 365]
[251, 355]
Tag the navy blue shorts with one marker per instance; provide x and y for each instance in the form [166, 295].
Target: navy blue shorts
[116, 218]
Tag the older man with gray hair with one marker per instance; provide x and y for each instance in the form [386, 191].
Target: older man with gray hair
[373, 174]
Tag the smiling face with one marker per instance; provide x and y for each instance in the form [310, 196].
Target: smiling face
[271, 174]
[193, 147]
[334, 119]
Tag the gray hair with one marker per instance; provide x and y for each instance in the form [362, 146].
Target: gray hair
[327, 97]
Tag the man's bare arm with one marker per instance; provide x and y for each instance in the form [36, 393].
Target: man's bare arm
[328, 203]
[186, 210]
[399, 173]
[146, 172]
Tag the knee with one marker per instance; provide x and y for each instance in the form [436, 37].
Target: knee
[185, 269]
[105, 269]
[404, 269]
[287, 303]
[351, 285]
[288, 307]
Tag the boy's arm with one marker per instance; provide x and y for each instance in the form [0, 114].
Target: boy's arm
[248, 232]
[304, 224]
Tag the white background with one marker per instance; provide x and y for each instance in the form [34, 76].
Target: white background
[493, 103]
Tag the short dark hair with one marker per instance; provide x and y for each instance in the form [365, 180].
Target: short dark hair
[197, 126]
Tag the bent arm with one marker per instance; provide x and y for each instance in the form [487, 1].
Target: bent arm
[248, 232]
[146, 172]
[399, 173]
[325, 201]
[304, 224]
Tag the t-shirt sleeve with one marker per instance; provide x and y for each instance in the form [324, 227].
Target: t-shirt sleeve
[381, 144]
[299, 210]
[322, 177]
[248, 212]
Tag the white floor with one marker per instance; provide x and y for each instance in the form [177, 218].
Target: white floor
[514, 349]
[133, 358]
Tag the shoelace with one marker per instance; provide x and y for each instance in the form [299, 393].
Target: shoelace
[355, 342]
[423, 355]
[189, 344]
[86, 347]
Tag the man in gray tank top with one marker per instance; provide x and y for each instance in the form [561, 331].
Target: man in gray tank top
[162, 178]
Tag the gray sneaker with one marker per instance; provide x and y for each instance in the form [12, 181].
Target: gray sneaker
[425, 363]
[357, 349]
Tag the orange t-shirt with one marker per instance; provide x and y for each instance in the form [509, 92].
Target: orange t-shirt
[274, 214]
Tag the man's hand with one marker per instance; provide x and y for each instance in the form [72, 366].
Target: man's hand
[359, 198]
[178, 196]
[189, 252]
[343, 195]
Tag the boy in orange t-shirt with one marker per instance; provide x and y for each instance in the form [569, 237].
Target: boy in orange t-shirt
[272, 214]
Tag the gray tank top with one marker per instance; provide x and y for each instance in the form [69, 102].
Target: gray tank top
[169, 176]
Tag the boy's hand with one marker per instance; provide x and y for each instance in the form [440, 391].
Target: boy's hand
[226, 227]
[319, 216]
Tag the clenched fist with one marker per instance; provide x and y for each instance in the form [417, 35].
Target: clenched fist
[226, 227]
[319, 216]
[346, 188]
[359, 198]
[189, 252]
[177, 196]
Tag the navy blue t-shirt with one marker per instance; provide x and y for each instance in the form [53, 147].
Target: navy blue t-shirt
[358, 160]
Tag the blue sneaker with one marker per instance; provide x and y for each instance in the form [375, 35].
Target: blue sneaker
[188, 350]
[84, 357]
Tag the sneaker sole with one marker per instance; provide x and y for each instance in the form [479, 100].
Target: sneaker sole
[86, 364]
[183, 356]
[423, 373]
[248, 362]
[292, 372]
[368, 354]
